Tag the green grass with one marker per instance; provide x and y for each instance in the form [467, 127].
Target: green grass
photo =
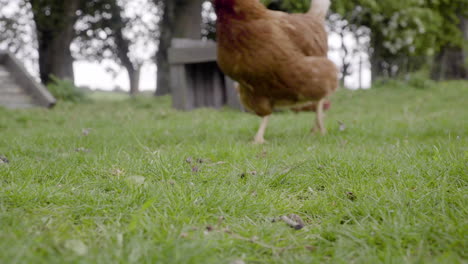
[390, 188]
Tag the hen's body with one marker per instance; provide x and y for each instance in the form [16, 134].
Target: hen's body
[278, 59]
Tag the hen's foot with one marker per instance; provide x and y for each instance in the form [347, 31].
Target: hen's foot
[259, 141]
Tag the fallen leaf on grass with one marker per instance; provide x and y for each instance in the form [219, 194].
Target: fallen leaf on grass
[117, 172]
[342, 126]
[245, 174]
[220, 220]
[86, 131]
[351, 196]
[293, 220]
[208, 229]
[263, 154]
[310, 248]
[77, 246]
[4, 160]
[81, 149]
[190, 160]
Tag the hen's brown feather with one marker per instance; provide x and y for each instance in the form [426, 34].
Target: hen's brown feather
[278, 59]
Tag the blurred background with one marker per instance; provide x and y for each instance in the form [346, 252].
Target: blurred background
[116, 45]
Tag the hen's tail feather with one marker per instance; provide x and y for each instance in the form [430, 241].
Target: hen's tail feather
[319, 8]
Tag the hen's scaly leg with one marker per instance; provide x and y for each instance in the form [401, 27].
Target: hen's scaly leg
[261, 131]
[319, 126]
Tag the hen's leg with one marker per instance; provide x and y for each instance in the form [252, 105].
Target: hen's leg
[319, 126]
[261, 131]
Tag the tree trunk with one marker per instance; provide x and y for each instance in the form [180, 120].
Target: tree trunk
[451, 62]
[188, 19]
[123, 49]
[181, 19]
[134, 77]
[345, 67]
[54, 38]
[166, 26]
[376, 56]
[376, 63]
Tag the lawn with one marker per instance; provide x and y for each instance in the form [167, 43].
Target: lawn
[134, 181]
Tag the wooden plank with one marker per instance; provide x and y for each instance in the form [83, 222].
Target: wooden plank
[218, 87]
[18, 105]
[5, 78]
[207, 82]
[9, 85]
[15, 97]
[192, 55]
[182, 96]
[11, 91]
[197, 80]
[198, 86]
[186, 42]
[22, 78]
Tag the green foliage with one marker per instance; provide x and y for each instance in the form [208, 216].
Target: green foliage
[421, 80]
[295, 6]
[399, 28]
[65, 90]
[112, 182]
[450, 11]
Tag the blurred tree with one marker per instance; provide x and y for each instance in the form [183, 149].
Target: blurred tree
[162, 59]
[181, 19]
[95, 30]
[404, 33]
[354, 42]
[450, 61]
[109, 33]
[17, 31]
[122, 47]
[55, 20]
[188, 19]
[208, 21]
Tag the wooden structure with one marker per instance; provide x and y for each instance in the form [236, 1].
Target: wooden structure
[18, 89]
[196, 80]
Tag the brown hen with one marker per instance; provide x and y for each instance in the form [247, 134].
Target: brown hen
[278, 59]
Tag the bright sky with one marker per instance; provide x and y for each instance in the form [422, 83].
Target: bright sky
[94, 76]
